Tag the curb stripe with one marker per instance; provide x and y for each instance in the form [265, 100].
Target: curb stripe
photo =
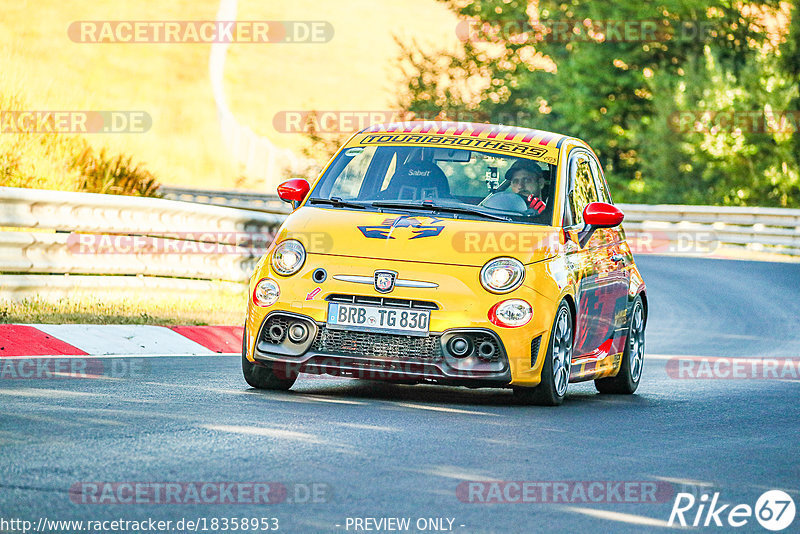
[123, 339]
[221, 339]
[22, 340]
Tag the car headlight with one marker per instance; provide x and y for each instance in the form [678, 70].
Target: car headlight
[288, 257]
[511, 313]
[502, 275]
[266, 293]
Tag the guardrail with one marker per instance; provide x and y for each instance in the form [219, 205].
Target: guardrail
[670, 227]
[774, 230]
[232, 199]
[59, 241]
[49, 234]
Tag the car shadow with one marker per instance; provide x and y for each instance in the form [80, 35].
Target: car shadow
[580, 394]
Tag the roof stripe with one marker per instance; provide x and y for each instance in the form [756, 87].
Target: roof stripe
[495, 130]
[546, 138]
[479, 129]
[475, 129]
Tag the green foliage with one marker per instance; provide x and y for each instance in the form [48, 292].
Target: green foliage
[322, 147]
[102, 173]
[66, 162]
[624, 96]
[790, 63]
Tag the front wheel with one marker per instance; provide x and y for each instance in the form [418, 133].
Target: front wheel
[555, 371]
[627, 380]
[262, 375]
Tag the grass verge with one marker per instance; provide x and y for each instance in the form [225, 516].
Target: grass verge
[213, 308]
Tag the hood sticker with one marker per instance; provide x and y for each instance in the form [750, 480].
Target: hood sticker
[355, 151]
[417, 228]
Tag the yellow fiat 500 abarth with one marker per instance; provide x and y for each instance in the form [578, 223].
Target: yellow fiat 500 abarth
[451, 253]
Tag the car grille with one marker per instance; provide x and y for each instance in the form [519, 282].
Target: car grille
[383, 301]
[349, 343]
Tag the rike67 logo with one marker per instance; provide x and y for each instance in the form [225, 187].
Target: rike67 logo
[774, 510]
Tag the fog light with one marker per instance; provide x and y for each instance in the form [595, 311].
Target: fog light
[266, 293]
[458, 347]
[298, 332]
[511, 313]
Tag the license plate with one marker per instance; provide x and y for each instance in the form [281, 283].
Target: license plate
[378, 319]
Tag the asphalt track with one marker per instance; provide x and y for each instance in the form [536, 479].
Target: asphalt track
[401, 451]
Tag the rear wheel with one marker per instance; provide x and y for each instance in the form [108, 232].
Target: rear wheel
[261, 375]
[627, 380]
[555, 371]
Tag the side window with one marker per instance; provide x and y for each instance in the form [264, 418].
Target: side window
[583, 188]
[602, 186]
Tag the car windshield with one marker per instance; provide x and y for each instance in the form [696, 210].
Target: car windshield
[454, 183]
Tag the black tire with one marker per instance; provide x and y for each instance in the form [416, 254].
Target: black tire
[553, 387]
[630, 373]
[261, 376]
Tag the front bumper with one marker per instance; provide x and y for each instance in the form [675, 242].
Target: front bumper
[381, 356]
[459, 300]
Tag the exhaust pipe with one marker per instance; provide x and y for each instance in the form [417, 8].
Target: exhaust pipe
[486, 350]
[276, 333]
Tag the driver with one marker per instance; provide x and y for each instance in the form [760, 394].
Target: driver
[527, 180]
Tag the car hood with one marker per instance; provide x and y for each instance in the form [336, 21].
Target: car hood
[417, 238]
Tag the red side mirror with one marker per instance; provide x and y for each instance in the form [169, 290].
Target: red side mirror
[598, 215]
[602, 215]
[294, 190]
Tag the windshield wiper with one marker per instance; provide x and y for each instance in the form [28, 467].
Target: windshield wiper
[429, 205]
[337, 202]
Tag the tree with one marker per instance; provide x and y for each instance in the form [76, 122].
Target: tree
[622, 76]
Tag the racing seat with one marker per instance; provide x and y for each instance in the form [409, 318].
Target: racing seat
[417, 181]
